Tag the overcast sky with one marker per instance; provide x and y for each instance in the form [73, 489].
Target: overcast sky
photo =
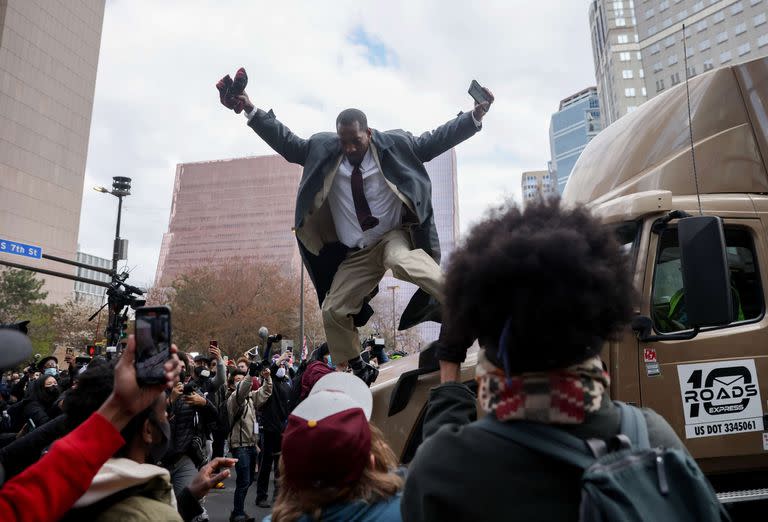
[406, 63]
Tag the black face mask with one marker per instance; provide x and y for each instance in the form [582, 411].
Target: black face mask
[51, 393]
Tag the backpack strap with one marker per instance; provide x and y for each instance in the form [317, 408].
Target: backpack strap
[542, 438]
[633, 425]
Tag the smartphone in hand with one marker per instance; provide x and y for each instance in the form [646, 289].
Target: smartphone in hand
[477, 92]
[153, 343]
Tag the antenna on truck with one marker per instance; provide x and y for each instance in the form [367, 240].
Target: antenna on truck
[690, 125]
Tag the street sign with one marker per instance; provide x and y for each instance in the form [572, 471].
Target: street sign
[20, 249]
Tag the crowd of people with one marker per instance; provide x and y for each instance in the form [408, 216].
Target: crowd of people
[153, 453]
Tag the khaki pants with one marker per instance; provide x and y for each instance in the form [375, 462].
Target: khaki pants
[359, 274]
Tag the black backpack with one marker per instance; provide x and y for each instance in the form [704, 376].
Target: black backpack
[624, 478]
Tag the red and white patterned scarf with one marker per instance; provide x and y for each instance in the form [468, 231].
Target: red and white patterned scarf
[555, 397]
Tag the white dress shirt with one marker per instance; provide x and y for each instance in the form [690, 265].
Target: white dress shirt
[383, 202]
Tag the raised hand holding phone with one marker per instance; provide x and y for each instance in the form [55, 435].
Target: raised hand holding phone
[153, 343]
[483, 99]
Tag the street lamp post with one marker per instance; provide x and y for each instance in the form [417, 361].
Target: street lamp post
[394, 334]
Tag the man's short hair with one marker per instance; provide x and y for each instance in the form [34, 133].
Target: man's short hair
[350, 116]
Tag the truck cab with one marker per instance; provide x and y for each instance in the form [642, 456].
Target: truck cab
[709, 380]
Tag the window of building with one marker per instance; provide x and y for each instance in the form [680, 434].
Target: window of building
[740, 29]
[643, 91]
[657, 67]
[631, 108]
[649, 14]
[659, 85]
[759, 20]
[623, 38]
[722, 37]
[703, 46]
[618, 5]
[718, 17]
[666, 23]
[669, 41]
[692, 71]
[652, 30]
[689, 52]
[737, 8]
[672, 60]
[675, 78]
[701, 26]
[708, 65]
[754, 2]
[668, 295]
[629, 92]
[698, 6]
[638, 55]
[682, 15]
[655, 48]
[621, 22]
[744, 49]
[641, 73]
[762, 41]
[627, 74]
[725, 57]
[625, 57]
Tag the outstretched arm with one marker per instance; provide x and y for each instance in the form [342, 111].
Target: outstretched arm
[431, 144]
[278, 136]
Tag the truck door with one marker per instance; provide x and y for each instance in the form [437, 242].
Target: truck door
[710, 388]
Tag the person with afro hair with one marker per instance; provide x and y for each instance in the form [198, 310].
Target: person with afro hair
[542, 290]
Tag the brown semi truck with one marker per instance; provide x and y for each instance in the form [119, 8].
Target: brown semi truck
[707, 376]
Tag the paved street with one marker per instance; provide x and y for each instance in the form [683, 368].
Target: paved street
[219, 502]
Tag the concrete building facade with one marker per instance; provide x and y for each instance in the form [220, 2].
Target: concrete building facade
[639, 58]
[616, 54]
[49, 53]
[717, 33]
[574, 125]
[238, 208]
[538, 184]
[92, 295]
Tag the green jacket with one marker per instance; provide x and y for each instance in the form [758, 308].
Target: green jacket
[242, 405]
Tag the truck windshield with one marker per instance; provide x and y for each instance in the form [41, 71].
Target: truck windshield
[627, 235]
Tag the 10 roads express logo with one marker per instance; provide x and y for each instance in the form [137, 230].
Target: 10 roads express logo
[732, 396]
[720, 398]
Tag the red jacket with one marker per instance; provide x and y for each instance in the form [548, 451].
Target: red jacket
[48, 489]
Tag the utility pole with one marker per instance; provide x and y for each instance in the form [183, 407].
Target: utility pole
[394, 334]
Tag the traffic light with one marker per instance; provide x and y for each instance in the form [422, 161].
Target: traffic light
[93, 350]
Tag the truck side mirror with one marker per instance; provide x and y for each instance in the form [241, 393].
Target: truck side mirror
[706, 278]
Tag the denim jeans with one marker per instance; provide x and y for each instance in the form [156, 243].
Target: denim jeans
[182, 473]
[270, 456]
[244, 455]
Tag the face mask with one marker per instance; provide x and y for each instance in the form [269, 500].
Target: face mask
[52, 392]
[280, 373]
[158, 450]
[53, 372]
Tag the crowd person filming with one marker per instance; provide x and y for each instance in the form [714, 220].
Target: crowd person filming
[541, 319]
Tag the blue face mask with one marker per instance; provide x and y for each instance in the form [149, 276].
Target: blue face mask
[53, 372]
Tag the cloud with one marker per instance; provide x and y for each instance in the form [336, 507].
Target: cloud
[407, 64]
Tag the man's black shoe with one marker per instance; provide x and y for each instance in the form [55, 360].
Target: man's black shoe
[367, 373]
[264, 503]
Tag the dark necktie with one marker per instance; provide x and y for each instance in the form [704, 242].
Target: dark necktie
[363, 211]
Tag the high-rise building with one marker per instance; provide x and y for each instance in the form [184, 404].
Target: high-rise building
[718, 32]
[49, 53]
[239, 208]
[445, 203]
[574, 125]
[88, 293]
[639, 60]
[244, 208]
[616, 54]
[538, 184]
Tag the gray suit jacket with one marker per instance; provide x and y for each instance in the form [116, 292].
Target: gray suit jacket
[401, 157]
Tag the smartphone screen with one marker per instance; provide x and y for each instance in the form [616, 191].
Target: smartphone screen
[477, 92]
[153, 343]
